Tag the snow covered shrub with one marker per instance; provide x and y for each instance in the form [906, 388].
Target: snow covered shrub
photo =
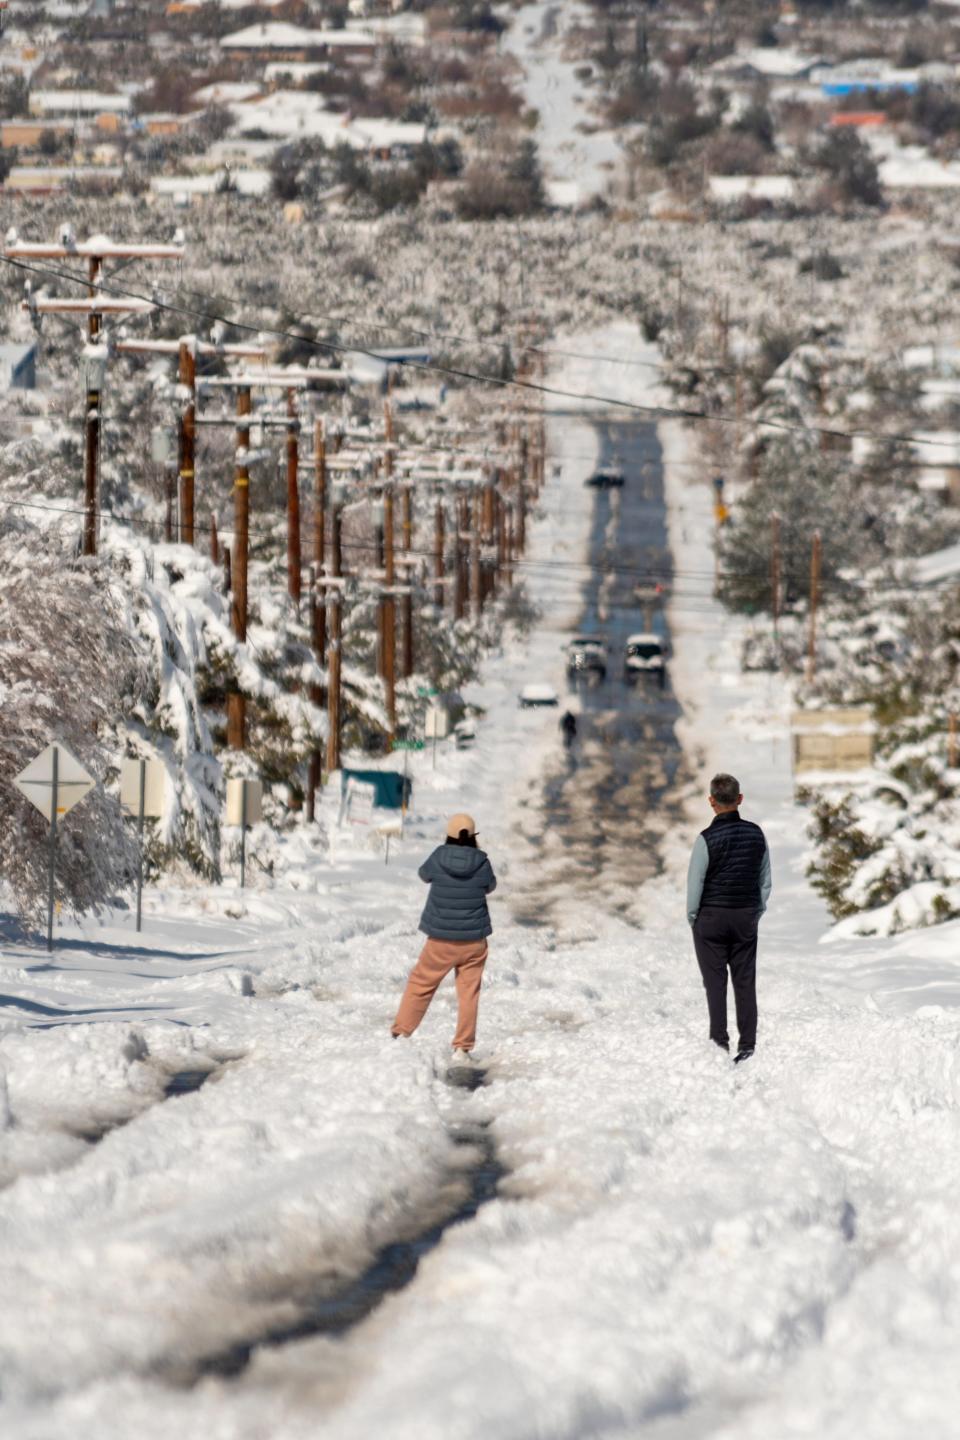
[174, 608]
[70, 669]
[841, 849]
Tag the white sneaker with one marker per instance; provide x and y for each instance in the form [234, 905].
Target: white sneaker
[461, 1057]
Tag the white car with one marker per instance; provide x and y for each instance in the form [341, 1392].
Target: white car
[538, 693]
[645, 654]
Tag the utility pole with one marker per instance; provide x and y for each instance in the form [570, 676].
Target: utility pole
[460, 587]
[316, 695]
[476, 580]
[318, 628]
[389, 611]
[187, 350]
[814, 601]
[439, 539]
[293, 499]
[335, 630]
[187, 374]
[775, 577]
[406, 531]
[94, 305]
[236, 701]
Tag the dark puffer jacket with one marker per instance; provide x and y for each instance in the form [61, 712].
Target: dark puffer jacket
[460, 879]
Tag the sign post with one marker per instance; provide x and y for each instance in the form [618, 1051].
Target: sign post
[54, 782]
[436, 726]
[244, 808]
[142, 784]
[52, 860]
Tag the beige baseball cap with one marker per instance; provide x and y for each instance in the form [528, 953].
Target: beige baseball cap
[456, 823]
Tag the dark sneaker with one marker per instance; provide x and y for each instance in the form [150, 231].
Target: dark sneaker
[743, 1054]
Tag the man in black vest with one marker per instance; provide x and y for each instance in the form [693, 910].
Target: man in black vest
[728, 886]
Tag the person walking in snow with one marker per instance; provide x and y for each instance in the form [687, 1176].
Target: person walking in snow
[728, 886]
[456, 922]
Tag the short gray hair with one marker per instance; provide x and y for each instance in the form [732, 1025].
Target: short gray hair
[725, 789]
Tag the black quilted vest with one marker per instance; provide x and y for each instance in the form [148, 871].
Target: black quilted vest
[736, 848]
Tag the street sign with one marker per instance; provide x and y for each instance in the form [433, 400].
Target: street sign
[425, 691]
[244, 802]
[37, 781]
[360, 798]
[244, 807]
[436, 724]
[142, 789]
[154, 787]
[54, 782]
[408, 745]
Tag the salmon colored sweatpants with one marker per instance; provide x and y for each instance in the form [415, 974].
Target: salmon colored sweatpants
[437, 959]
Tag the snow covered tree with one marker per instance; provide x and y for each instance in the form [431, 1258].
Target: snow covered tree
[69, 670]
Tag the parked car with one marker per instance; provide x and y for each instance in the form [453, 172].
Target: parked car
[645, 655]
[587, 656]
[536, 694]
[607, 477]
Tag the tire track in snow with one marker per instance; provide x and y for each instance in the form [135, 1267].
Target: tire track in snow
[472, 1183]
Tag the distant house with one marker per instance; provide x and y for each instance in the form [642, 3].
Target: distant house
[911, 167]
[51, 179]
[302, 115]
[78, 104]
[276, 40]
[183, 190]
[766, 63]
[18, 366]
[861, 76]
[28, 134]
[728, 189]
[858, 119]
[227, 92]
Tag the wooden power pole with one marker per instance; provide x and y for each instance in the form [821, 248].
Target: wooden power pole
[94, 305]
[236, 701]
[814, 601]
[293, 499]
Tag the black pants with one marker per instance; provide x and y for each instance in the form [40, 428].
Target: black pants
[725, 938]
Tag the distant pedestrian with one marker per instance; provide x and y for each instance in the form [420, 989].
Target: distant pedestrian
[456, 922]
[568, 725]
[728, 886]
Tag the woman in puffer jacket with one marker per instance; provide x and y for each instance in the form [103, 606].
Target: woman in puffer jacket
[456, 922]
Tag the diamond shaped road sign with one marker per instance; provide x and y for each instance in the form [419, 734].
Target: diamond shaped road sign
[36, 781]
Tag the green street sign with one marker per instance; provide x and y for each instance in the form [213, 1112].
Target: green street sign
[408, 744]
[425, 691]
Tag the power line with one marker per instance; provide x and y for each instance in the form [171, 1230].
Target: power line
[459, 373]
[547, 351]
[665, 572]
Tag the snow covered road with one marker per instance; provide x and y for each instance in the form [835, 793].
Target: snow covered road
[678, 1249]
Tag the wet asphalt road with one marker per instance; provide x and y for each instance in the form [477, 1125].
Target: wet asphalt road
[595, 819]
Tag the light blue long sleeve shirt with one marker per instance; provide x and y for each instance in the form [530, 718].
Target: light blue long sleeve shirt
[697, 873]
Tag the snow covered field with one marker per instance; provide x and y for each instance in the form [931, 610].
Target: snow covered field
[680, 1249]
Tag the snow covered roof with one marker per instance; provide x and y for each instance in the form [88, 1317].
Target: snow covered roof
[776, 62]
[277, 35]
[300, 113]
[756, 187]
[75, 102]
[934, 568]
[227, 92]
[245, 182]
